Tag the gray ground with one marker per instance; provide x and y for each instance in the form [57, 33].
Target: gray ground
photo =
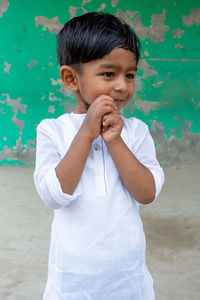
[171, 224]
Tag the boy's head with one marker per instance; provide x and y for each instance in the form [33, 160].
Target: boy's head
[92, 36]
[98, 54]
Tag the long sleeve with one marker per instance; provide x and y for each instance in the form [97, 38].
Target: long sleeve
[47, 158]
[144, 150]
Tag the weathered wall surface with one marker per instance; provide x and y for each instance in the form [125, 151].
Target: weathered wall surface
[167, 94]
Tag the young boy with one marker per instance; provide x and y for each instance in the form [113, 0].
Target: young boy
[94, 167]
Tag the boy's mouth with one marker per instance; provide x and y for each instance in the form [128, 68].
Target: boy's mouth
[119, 102]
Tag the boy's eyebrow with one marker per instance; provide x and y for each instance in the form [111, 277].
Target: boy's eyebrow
[110, 66]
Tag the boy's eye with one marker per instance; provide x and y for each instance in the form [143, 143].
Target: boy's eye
[108, 74]
[130, 76]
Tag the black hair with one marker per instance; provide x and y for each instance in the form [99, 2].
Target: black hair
[92, 36]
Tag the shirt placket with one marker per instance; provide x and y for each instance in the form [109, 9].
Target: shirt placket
[99, 167]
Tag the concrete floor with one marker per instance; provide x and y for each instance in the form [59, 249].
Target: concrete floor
[171, 224]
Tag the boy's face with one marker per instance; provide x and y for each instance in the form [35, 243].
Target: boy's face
[113, 75]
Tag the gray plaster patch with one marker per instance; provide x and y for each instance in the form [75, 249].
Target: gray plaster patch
[62, 89]
[179, 46]
[53, 98]
[147, 69]
[178, 33]
[114, 3]
[158, 84]
[16, 106]
[32, 63]
[146, 53]
[22, 153]
[53, 25]
[7, 67]
[73, 10]
[193, 18]
[51, 109]
[175, 150]
[86, 1]
[103, 5]
[3, 7]
[156, 31]
[146, 106]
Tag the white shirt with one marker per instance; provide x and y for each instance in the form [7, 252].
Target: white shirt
[97, 249]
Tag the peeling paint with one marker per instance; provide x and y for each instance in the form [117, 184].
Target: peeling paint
[103, 6]
[53, 25]
[179, 46]
[114, 3]
[16, 106]
[146, 106]
[3, 7]
[51, 109]
[178, 33]
[193, 18]
[53, 98]
[167, 82]
[32, 63]
[73, 10]
[20, 152]
[85, 1]
[175, 150]
[156, 31]
[158, 84]
[62, 89]
[147, 69]
[7, 67]
[146, 53]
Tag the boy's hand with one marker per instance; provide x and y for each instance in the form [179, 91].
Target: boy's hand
[112, 125]
[92, 123]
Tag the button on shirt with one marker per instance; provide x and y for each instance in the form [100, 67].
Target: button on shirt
[97, 249]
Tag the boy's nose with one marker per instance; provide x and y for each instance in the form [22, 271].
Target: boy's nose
[121, 84]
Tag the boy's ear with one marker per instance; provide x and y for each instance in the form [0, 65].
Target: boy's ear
[69, 78]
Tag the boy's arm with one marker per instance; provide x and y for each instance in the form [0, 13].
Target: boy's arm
[137, 178]
[70, 168]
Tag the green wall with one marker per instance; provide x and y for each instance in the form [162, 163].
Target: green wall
[167, 94]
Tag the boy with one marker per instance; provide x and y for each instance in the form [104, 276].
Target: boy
[94, 167]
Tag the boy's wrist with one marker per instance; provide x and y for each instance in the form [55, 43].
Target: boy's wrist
[84, 135]
[115, 142]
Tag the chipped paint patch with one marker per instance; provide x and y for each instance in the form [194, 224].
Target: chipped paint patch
[85, 1]
[176, 150]
[16, 106]
[178, 33]
[7, 67]
[62, 89]
[158, 84]
[147, 69]
[193, 18]
[32, 63]
[73, 10]
[146, 106]
[53, 25]
[114, 3]
[179, 46]
[20, 152]
[53, 98]
[3, 7]
[51, 109]
[103, 6]
[156, 31]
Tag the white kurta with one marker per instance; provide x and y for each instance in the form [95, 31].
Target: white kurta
[97, 249]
